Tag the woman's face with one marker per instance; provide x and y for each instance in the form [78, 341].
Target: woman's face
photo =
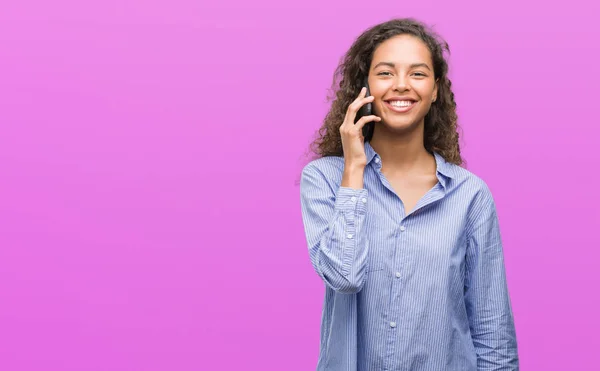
[402, 82]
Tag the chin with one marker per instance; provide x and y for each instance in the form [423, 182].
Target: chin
[402, 125]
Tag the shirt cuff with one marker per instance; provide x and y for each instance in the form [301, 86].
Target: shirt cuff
[351, 201]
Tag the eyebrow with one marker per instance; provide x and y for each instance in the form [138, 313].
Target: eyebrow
[393, 65]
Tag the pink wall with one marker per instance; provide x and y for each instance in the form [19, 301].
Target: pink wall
[149, 217]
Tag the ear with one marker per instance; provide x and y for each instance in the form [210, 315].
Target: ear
[435, 90]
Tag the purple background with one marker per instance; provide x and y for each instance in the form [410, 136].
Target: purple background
[149, 216]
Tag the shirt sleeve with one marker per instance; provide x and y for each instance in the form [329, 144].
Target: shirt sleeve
[486, 292]
[333, 223]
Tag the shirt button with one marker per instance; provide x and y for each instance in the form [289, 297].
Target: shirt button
[392, 324]
[349, 236]
[377, 160]
[364, 200]
[398, 274]
[402, 228]
[353, 199]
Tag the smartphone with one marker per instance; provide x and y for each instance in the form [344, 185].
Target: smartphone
[366, 110]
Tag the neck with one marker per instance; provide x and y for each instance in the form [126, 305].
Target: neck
[404, 153]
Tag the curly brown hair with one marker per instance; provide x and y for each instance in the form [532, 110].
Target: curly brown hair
[441, 127]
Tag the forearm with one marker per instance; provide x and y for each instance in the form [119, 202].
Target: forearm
[486, 292]
[333, 217]
[492, 323]
[340, 255]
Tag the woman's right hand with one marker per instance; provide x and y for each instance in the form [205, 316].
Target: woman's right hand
[353, 141]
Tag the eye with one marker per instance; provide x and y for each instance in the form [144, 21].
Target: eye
[420, 74]
[385, 73]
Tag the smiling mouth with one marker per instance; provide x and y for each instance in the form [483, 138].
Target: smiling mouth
[400, 106]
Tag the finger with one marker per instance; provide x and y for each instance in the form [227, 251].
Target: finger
[366, 119]
[361, 94]
[355, 106]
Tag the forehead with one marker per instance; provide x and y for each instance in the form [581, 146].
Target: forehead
[402, 50]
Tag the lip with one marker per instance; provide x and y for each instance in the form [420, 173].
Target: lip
[400, 109]
[400, 98]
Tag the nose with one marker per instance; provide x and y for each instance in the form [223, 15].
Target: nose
[401, 83]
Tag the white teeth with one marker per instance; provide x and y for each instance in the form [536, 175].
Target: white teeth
[401, 103]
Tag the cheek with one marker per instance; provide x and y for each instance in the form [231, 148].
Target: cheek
[377, 103]
[426, 89]
[379, 88]
[378, 106]
[377, 92]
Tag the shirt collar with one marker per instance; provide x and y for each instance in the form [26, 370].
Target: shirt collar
[370, 152]
[444, 168]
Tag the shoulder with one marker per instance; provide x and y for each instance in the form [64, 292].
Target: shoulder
[324, 171]
[461, 182]
[475, 191]
[471, 186]
[326, 165]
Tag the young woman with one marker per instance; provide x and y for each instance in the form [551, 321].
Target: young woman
[406, 240]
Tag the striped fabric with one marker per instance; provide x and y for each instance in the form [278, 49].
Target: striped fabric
[419, 292]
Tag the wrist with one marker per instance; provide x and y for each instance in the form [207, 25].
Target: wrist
[353, 176]
[354, 167]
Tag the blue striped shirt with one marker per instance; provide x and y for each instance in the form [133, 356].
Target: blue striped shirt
[425, 291]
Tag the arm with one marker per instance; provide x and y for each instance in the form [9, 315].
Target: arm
[486, 292]
[333, 222]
